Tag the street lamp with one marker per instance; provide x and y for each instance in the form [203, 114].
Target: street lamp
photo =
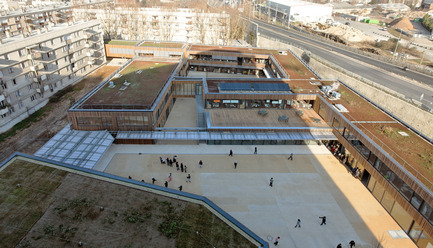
[396, 45]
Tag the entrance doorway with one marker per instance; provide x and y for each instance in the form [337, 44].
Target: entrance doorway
[365, 178]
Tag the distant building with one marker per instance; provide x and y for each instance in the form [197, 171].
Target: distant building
[41, 52]
[302, 11]
[427, 4]
[160, 24]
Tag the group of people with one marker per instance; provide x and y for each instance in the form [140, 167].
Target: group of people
[181, 167]
[323, 222]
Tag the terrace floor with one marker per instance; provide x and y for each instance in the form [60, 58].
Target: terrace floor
[312, 185]
[251, 118]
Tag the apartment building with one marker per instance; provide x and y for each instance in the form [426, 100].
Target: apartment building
[37, 62]
[160, 24]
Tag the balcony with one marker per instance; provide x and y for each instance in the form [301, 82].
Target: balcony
[35, 67]
[90, 53]
[87, 45]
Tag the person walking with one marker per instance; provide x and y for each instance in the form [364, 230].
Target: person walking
[231, 153]
[255, 150]
[180, 188]
[169, 177]
[291, 156]
[323, 220]
[181, 167]
[174, 158]
[177, 165]
[276, 241]
[298, 223]
[200, 163]
[339, 246]
[271, 182]
[352, 243]
[185, 169]
[153, 180]
[166, 184]
[188, 178]
[236, 164]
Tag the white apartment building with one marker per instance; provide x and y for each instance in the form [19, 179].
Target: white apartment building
[36, 64]
[302, 11]
[160, 24]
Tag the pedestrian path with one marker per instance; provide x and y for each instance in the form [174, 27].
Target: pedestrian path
[312, 185]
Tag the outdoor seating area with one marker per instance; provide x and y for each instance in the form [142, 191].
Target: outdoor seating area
[283, 118]
[263, 118]
[263, 112]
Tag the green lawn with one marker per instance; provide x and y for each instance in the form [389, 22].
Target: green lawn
[122, 42]
[162, 44]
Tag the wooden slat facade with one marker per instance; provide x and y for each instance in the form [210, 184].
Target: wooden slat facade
[329, 114]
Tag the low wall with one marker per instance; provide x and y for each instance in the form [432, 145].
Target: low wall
[412, 115]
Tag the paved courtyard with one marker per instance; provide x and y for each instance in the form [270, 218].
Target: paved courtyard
[313, 184]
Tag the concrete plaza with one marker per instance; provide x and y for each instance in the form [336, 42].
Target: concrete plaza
[313, 184]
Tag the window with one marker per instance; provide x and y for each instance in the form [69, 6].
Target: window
[61, 39]
[33, 97]
[66, 60]
[30, 86]
[20, 104]
[63, 49]
[3, 84]
[45, 67]
[20, 53]
[17, 93]
[6, 57]
[23, 65]
[10, 70]
[52, 42]
[28, 75]
[14, 81]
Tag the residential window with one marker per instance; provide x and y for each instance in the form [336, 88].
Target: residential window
[14, 81]
[66, 60]
[45, 67]
[10, 70]
[20, 53]
[4, 85]
[63, 49]
[61, 39]
[6, 57]
[33, 97]
[27, 75]
[23, 65]
[17, 93]
[30, 86]
[20, 104]
[52, 42]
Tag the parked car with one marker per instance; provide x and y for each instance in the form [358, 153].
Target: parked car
[347, 23]
[384, 29]
[406, 68]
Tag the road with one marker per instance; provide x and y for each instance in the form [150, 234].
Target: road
[371, 69]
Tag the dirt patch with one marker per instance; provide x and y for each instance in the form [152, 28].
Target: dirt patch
[401, 23]
[29, 140]
[54, 208]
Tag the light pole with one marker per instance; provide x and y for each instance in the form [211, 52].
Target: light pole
[396, 45]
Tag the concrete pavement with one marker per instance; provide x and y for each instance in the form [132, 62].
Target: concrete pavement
[312, 185]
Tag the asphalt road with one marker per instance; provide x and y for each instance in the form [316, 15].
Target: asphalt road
[371, 69]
